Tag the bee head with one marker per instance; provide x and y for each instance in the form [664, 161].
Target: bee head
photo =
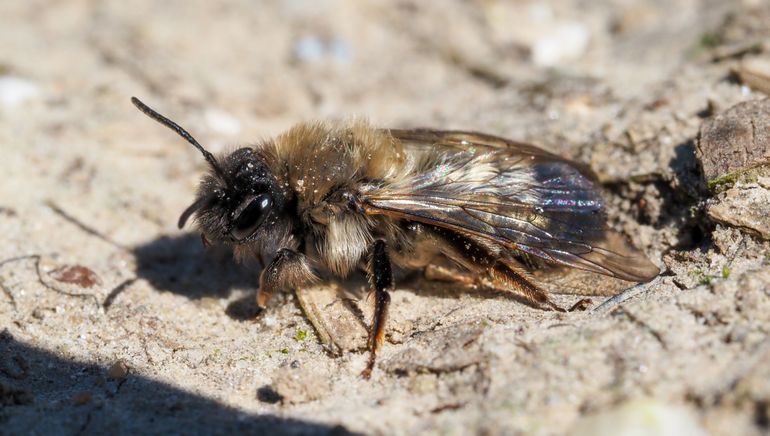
[238, 200]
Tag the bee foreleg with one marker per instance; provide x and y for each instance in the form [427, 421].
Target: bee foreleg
[381, 279]
[288, 270]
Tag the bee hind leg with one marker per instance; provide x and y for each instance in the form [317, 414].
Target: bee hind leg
[511, 279]
[502, 277]
[381, 279]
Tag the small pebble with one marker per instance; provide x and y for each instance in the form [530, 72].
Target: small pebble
[734, 140]
[295, 386]
[38, 313]
[76, 274]
[118, 370]
[755, 72]
[82, 398]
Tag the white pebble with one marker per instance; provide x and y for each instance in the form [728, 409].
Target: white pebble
[309, 49]
[566, 42]
[640, 418]
[15, 91]
[222, 122]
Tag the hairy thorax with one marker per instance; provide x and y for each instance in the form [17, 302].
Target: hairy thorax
[324, 166]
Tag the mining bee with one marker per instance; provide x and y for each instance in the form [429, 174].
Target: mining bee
[335, 197]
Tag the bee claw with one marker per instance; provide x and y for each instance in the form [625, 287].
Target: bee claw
[262, 299]
[581, 305]
[366, 374]
[205, 241]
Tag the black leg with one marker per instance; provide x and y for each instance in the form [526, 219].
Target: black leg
[381, 279]
[288, 270]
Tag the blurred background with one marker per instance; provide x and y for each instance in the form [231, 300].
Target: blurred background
[621, 85]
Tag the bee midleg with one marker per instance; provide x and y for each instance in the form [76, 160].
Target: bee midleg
[419, 248]
[443, 273]
[381, 279]
[288, 270]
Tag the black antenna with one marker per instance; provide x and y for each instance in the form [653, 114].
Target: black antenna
[180, 131]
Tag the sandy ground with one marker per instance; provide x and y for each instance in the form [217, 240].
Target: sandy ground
[113, 320]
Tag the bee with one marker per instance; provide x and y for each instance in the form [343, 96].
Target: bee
[331, 198]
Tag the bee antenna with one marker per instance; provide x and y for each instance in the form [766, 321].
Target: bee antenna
[181, 132]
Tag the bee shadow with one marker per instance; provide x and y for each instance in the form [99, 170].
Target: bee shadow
[180, 264]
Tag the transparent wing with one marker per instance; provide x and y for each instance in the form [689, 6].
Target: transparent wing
[459, 140]
[512, 194]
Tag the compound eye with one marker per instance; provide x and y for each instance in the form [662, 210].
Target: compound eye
[250, 215]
